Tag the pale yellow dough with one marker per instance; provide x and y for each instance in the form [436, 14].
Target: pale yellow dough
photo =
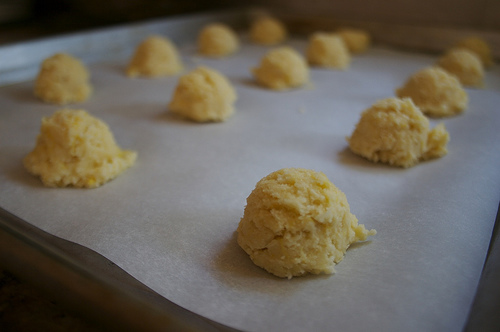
[465, 65]
[396, 132]
[204, 95]
[435, 91]
[217, 40]
[282, 68]
[63, 79]
[480, 47]
[76, 149]
[268, 30]
[356, 40]
[156, 56]
[297, 222]
[328, 50]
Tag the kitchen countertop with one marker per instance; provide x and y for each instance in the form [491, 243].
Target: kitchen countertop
[23, 307]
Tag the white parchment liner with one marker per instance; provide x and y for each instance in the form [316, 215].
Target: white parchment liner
[170, 220]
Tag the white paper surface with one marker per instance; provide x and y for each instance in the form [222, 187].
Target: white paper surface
[170, 220]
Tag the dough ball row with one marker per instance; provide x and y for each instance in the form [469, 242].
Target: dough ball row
[297, 222]
[395, 131]
[202, 95]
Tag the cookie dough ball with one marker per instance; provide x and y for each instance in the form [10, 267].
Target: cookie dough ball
[480, 47]
[282, 68]
[465, 65]
[217, 40]
[356, 40]
[268, 31]
[395, 131]
[204, 95]
[76, 149]
[328, 50]
[435, 91]
[297, 222]
[156, 56]
[63, 79]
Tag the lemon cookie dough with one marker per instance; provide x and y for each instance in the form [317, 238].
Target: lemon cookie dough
[76, 149]
[204, 95]
[327, 50]
[217, 40]
[63, 79]
[268, 30]
[465, 65]
[297, 222]
[395, 131]
[435, 91]
[480, 47]
[154, 57]
[356, 40]
[282, 68]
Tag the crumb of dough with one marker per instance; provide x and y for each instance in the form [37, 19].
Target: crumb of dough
[204, 95]
[297, 222]
[268, 31]
[156, 56]
[63, 79]
[217, 40]
[394, 131]
[327, 50]
[436, 92]
[465, 65]
[356, 40]
[76, 149]
[282, 68]
[480, 47]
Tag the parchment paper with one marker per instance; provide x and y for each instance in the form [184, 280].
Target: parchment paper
[170, 220]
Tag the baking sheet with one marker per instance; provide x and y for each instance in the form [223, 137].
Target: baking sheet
[170, 220]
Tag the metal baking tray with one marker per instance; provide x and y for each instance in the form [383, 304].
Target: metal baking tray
[50, 236]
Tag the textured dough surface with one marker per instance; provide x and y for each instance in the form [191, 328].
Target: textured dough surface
[480, 47]
[282, 68]
[395, 131]
[297, 222]
[435, 91]
[328, 50]
[356, 40]
[204, 95]
[76, 149]
[217, 40]
[465, 65]
[268, 31]
[62, 79]
[156, 56]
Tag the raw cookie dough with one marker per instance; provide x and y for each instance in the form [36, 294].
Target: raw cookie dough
[217, 40]
[296, 222]
[76, 149]
[480, 47]
[435, 91]
[394, 131]
[282, 68]
[267, 31]
[465, 65]
[356, 40]
[156, 56]
[62, 79]
[328, 50]
[204, 95]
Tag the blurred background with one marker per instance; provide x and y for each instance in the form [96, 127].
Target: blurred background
[27, 19]
[24, 19]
